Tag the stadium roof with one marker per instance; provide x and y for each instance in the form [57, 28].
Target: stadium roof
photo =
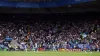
[51, 3]
[82, 7]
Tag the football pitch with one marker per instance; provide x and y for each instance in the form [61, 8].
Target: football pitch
[47, 53]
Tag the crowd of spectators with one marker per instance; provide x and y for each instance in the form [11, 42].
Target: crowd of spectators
[48, 34]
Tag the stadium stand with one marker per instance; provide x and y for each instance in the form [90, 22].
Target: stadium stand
[50, 35]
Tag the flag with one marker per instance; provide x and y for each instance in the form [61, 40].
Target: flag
[83, 35]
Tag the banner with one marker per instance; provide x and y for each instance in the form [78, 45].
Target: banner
[41, 49]
[70, 50]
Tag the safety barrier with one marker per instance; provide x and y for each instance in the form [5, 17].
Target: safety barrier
[70, 50]
[67, 50]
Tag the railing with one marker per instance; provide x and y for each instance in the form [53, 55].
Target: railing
[40, 4]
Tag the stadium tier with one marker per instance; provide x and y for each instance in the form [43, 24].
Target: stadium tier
[44, 35]
[40, 3]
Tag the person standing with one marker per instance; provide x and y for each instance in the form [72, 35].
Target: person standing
[54, 47]
[36, 47]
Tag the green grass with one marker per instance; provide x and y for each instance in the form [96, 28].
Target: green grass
[51, 53]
